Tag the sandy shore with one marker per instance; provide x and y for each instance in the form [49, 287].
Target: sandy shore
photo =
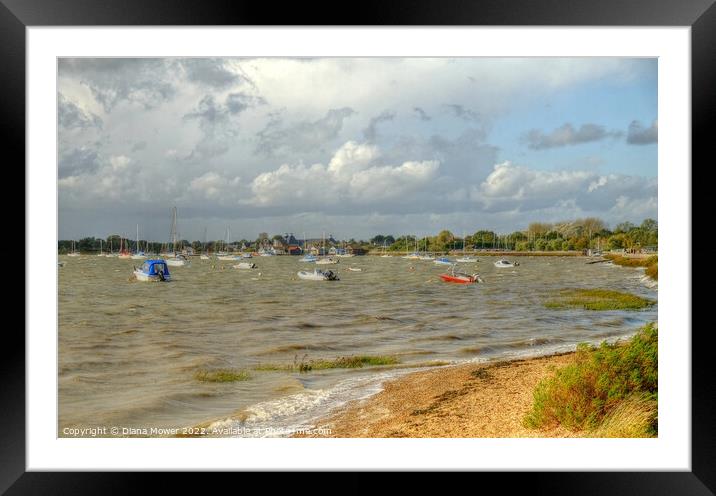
[475, 400]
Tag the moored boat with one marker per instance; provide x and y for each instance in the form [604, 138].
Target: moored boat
[326, 261]
[502, 263]
[443, 261]
[155, 270]
[460, 277]
[178, 261]
[466, 260]
[245, 265]
[308, 258]
[318, 275]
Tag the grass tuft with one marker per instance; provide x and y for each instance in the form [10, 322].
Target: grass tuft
[221, 375]
[348, 362]
[598, 299]
[608, 389]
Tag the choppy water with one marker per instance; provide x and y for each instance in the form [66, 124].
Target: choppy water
[128, 351]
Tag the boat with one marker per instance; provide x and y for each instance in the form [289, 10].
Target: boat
[138, 255]
[318, 275]
[461, 277]
[308, 258]
[245, 265]
[246, 255]
[74, 252]
[101, 253]
[204, 251]
[270, 252]
[123, 252]
[465, 258]
[502, 263]
[178, 260]
[204, 256]
[228, 257]
[443, 261]
[411, 256]
[60, 264]
[155, 270]
[426, 257]
[326, 261]
[355, 269]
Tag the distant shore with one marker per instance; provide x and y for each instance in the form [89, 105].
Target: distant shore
[473, 400]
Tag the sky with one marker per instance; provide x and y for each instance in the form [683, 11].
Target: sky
[352, 146]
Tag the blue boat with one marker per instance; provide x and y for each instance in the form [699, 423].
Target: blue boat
[443, 261]
[308, 258]
[153, 271]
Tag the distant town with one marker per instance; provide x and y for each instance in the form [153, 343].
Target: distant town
[577, 235]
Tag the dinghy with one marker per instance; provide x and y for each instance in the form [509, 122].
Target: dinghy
[245, 265]
[460, 277]
[505, 263]
[318, 275]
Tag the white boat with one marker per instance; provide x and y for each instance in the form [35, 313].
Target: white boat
[502, 263]
[386, 256]
[345, 255]
[355, 269]
[101, 253]
[308, 258]
[318, 275]
[326, 261]
[231, 258]
[178, 261]
[74, 252]
[205, 257]
[427, 257]
[466, 259]
[246, 255]
[245, 265]
[153, 271]
[138, 255]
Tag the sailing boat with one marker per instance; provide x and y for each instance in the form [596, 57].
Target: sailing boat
[325, 260]
[204, 253]
[123, 252]
[177, 260]
[138, 255]
[226, 255]
[465, 259]
[427, 256]
[414, 255]
[101, 253]
[307, 257]
[74, 252]
[385, 255]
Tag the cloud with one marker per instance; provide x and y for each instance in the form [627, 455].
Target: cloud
[214, 186]
[78, 161]
[278, 139]
[463, 112]
[70, 116]
[215, 122]
[567, 135]
[212, 72]
[139, 146]
[143, 81]
[511, 187]
[370, 133]
[640, 135]
[351, 176]
[422, 115]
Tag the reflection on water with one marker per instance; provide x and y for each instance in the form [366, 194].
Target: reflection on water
[128, 350]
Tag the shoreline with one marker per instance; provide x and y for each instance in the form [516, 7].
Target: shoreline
[474, 400]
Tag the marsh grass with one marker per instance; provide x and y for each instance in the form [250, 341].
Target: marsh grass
[221, 375]
[598, 299]
[609, 391]
[650, 263]
[346, 362]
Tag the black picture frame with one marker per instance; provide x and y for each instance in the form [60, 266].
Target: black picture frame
[16, 15]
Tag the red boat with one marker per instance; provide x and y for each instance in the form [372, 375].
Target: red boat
[461, 278]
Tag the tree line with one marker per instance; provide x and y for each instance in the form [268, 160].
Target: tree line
[579, 234]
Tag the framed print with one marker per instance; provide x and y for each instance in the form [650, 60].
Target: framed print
[429, 241]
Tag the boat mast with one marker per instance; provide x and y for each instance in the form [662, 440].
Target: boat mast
[173, 233]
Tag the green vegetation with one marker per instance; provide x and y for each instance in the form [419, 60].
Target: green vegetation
[598, 299]
[349, 362]
[221, 375]
[609, 391]
[567, 236]
[651, 263]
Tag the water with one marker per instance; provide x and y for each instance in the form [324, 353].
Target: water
[128, 351]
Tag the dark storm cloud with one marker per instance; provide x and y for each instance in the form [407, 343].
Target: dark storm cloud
[78, 161]
[70, 116]
[640, 135]
[278, 138]
[568, 135]
[211, 72]
[462, 112]
[215, 122]
[421, 114]
[147, 82]
[371, 131]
